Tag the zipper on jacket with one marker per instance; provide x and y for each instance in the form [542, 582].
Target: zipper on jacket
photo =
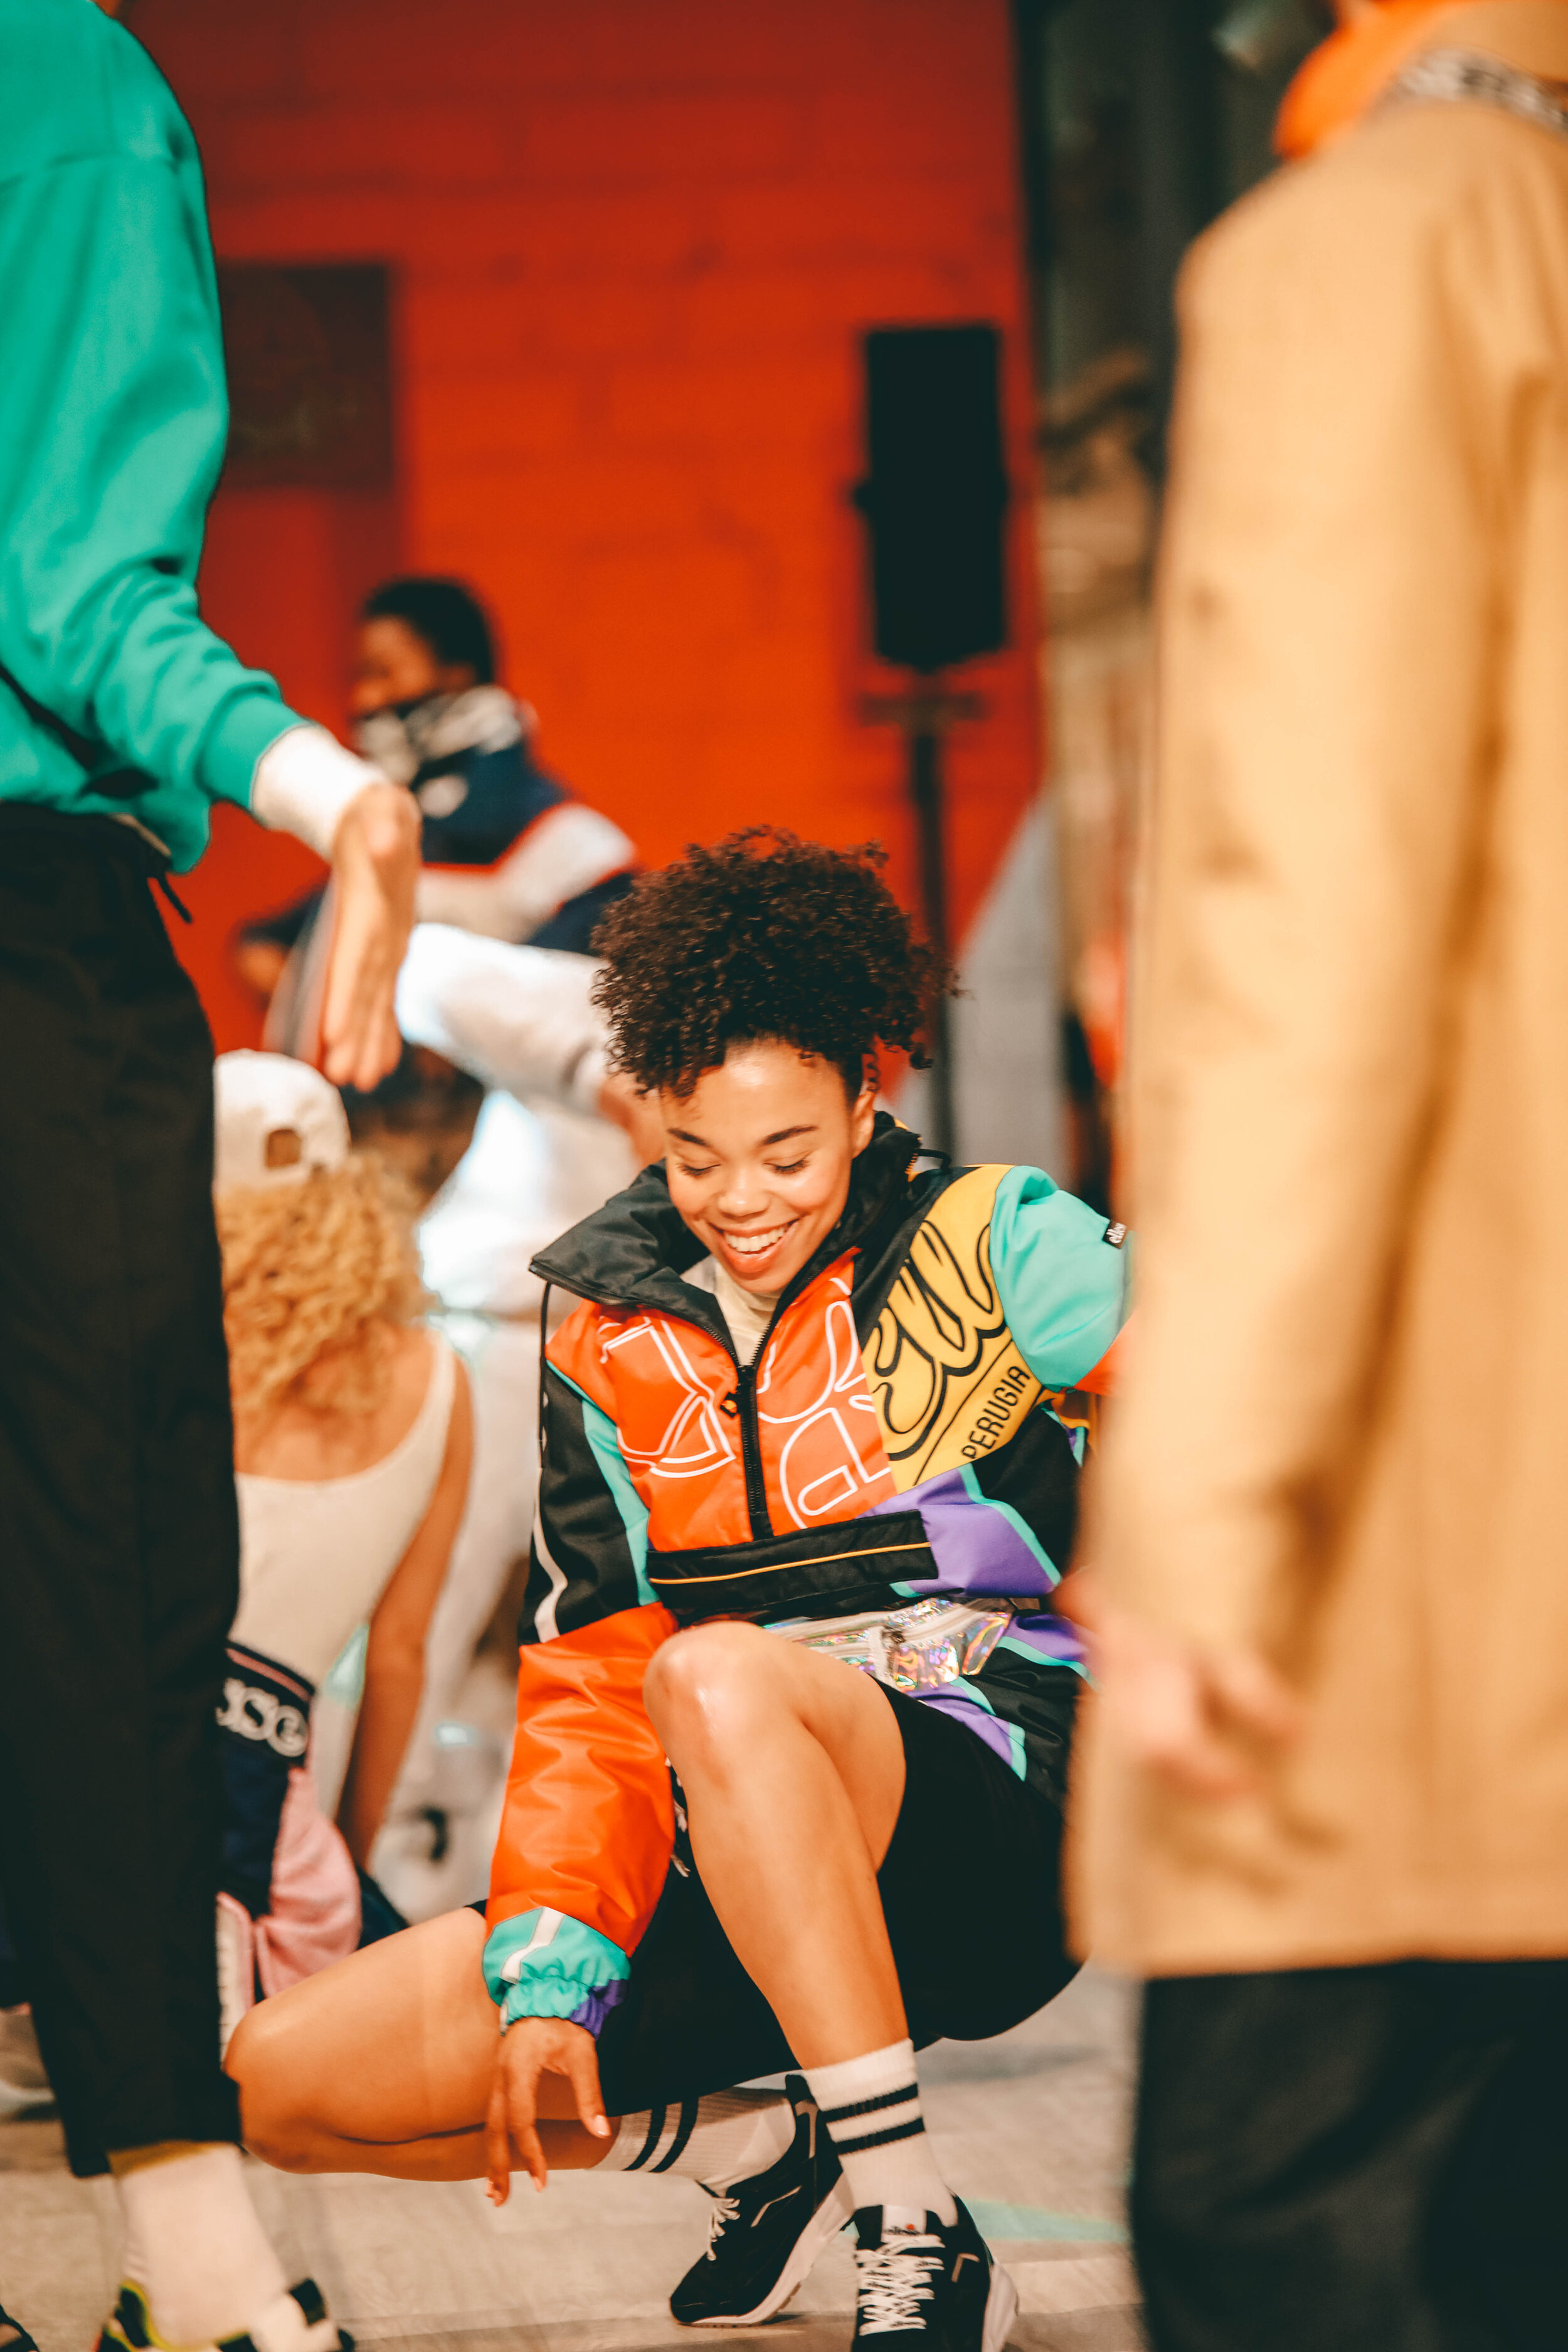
[744, 1401]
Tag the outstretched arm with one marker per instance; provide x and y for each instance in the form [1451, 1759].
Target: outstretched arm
[584, 1846]
[522, 1018]
[519, 1018]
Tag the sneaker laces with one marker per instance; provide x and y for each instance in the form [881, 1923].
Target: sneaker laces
[895, 2279]
[725, 2209]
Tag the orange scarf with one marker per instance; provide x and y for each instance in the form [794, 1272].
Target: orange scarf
[1340, 79]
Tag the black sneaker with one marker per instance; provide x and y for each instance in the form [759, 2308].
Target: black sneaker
[766, 2232]
[929, 2288]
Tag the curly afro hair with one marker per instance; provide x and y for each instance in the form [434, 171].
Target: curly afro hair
[763, 936]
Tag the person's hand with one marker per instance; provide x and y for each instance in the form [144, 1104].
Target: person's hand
[626, 1107]
[1201, 1719]
[1078, 1598]
[533, 2047]
[375, 863]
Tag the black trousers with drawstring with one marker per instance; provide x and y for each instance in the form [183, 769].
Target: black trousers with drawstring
[1371, 2160]
[119, 1538]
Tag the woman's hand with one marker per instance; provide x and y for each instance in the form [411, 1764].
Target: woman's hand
[533, 2047]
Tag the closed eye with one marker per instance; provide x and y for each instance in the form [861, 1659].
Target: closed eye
[789, 1168]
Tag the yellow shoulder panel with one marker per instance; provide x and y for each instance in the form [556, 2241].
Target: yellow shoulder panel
[945, 1376]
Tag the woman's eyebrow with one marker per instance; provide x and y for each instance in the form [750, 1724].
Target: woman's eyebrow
[783, 1135]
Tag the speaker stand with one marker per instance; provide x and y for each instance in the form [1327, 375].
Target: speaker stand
[926, 715]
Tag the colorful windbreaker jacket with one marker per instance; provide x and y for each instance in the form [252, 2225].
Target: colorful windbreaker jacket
[911, 1427]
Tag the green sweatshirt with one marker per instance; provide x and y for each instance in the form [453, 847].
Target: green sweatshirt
[112, 378]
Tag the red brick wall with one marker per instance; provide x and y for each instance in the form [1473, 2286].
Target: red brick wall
[634, 243]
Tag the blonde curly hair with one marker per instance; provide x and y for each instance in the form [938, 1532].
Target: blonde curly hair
[312, 1274]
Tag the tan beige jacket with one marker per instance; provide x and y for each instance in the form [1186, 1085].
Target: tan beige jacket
[1346, 1432]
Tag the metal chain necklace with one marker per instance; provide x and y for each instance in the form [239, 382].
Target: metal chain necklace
[1467, 77]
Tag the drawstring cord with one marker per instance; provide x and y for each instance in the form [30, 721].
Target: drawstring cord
[174, 898]
[544, 1343]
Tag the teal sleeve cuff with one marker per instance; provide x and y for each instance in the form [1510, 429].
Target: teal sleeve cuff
[543, 1964]
[243, 732]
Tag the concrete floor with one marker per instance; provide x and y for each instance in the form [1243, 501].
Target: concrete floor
[1031, 2130]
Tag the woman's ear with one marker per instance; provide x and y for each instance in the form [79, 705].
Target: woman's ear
[863, 1109]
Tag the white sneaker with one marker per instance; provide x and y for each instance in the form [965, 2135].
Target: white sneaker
[23, 2082]
[295, 2322]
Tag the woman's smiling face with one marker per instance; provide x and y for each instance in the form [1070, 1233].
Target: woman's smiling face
[759, 1155]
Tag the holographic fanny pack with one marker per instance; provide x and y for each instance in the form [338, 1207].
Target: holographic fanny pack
[915, 1649]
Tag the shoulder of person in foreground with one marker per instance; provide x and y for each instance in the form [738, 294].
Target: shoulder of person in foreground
[1421, 212]
[78, 84]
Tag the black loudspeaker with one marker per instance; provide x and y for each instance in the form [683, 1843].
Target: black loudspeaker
[935, 497]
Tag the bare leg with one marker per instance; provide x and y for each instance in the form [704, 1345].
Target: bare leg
[383, 2062]
[794, 1774]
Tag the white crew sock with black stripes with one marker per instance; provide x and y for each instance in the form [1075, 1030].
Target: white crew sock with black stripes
[871, 2107]
[727, 2136]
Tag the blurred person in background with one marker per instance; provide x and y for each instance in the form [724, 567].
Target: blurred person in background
[506, 849]
[551, 1144]
[1326, 1810]
[508, 854]
[504, 1165]
[351, 1447]
[121, 720]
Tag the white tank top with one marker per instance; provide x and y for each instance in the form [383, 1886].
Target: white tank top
[316, 1554]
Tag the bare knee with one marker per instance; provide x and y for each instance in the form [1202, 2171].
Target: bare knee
[274, 2121]
[705, 1688]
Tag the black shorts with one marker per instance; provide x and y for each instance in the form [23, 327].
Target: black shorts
[970, 1892]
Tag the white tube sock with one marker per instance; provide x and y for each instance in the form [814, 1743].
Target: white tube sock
[727, 2136]
[194, 2247]
[871, 2106]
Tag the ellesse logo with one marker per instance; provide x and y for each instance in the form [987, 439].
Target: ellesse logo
[257, 1714]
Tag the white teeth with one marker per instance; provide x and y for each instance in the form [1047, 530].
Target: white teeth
[754, 1245]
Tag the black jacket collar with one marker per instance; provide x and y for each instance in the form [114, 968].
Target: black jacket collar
[635, 1250]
